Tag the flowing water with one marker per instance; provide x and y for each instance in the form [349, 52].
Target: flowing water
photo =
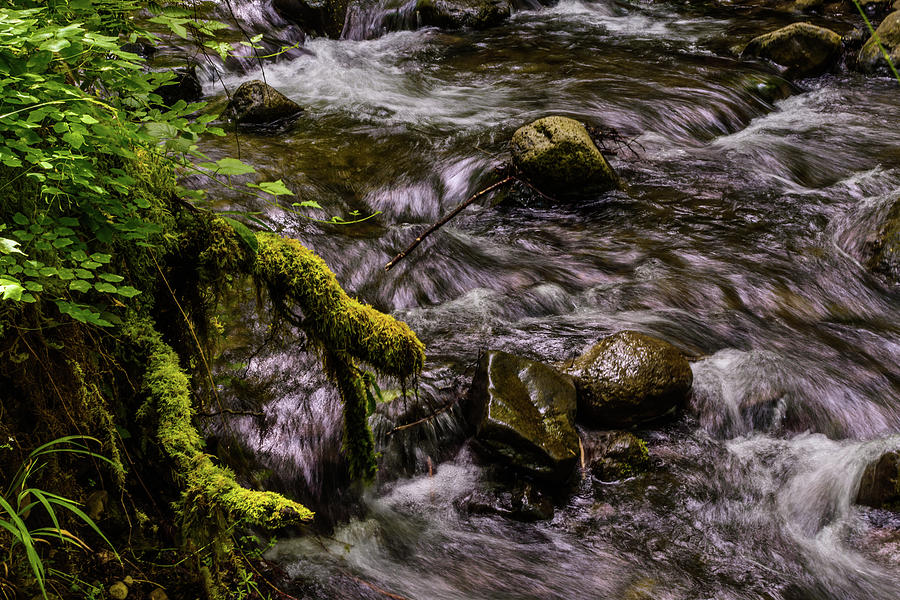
[738, 239]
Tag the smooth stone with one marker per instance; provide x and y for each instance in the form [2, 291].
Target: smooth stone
[630, 378]
[870, 59]
[880, 484]
[802, 49]
[523, 413]
[256, 102]
[557, 155]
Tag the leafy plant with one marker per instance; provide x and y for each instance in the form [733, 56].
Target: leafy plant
[20, 499]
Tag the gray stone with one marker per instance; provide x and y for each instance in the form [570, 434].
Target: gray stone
[630, 378]
[802, 48]
[558, 156]
[615, 455]
[118, 591]
[256, 102]
[870, 59]
[882, 249]
[523, 412]
[880, 484]
[453, 14]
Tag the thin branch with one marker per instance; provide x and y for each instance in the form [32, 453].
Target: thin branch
[442, 409]
[447, 218]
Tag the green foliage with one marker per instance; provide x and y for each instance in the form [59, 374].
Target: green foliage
[80, 127]
[20, 499]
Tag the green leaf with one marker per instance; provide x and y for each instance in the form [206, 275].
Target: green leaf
[8, 246]
[276, 188]
[111, 277]
[232, 166]
[55, 45]
[76, 140]
[128, 291]
[244, 233]
[79, 285]
[10, 289]
[105, 287]
[100, 258]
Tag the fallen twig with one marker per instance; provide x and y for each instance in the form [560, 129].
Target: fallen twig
[446, 218]
[442, 409]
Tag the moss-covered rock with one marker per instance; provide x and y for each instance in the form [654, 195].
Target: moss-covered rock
[880, 484]
[618, 455]
[257, 103]
[523, 413]
[870, 59]
[630, 378]
[453, 14]
[558, 156]
[801, 48]
[882, 248]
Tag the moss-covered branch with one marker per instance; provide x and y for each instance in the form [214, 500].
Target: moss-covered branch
[359, 445]
[294, 274]
[168, 393]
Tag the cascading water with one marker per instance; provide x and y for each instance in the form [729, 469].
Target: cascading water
[739, 239]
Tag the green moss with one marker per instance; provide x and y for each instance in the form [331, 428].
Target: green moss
[295, 275]
[208, 488]
[358, 445]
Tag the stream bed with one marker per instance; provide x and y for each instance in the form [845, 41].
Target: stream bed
[738, 240]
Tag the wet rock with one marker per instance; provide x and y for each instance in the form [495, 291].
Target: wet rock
[882, 248]
[769, 88]
[801, 48]
[158, 594]
[96, 504]
[118, 591]
[523, 503]
[880, 485]
[523, 412]
[630, 378]
[325, 17]
[258, 103]
[453, 14]
[558, 156]
[185, 85]
[870, 59]
[617, 455]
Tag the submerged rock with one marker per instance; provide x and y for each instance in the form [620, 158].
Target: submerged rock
[880, 485]
[523, 412]
[870, 59]
[630, 378]
[523, 502]
[802, 48]
[882, 248]
[617, 455]
[558, 156]
[453, 14]
[258, 103]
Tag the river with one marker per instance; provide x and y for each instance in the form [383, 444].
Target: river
[738, 239]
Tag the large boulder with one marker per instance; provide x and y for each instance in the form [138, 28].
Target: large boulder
[870, 59]
[882, 248]
[801, 48]
[453, 14]
[880, 484]
[630, 378]
[523, 413]
[257, 103]
[558, 156]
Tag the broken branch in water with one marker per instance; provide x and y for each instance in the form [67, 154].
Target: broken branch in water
[446, 218]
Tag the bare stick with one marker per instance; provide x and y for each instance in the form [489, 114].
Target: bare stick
[444, 220]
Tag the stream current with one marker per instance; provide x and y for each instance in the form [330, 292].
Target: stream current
[738, 239]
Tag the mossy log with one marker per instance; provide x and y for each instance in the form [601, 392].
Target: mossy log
[168, 391]
[295, 275]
